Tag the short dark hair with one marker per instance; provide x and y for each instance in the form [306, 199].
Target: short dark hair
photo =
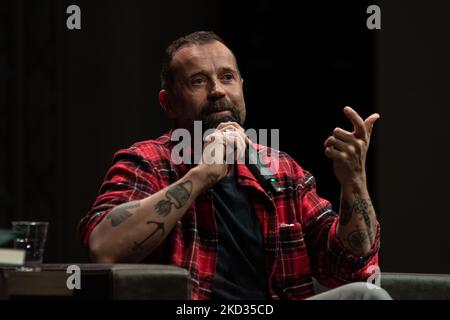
[195, 38]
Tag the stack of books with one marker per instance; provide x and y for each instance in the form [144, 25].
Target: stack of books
[10, 257]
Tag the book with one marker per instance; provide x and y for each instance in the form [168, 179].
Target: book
[11, 257]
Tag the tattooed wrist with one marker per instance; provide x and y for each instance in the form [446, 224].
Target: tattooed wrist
[345, 213]
[359, 209]
[355, 185]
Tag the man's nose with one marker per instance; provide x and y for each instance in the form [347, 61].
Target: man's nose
[216, 91]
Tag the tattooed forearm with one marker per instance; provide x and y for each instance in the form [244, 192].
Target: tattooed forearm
[159, 227]
[120, 213]
[357, 240]
[346, 213]
[177, 195]
[361, 207]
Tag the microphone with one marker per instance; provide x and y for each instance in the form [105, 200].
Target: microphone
[261, 170]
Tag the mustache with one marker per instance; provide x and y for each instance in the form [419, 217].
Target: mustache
[223, 104]
[217, 106]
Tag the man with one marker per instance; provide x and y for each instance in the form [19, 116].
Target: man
[238, 240]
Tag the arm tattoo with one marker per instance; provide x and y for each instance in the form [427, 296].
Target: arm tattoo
[159, 226]
[177, 195]
[120, 213]
[361, 207]
[357, 240]
[346, 213]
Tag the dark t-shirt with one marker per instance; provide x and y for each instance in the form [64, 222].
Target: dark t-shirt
[240, 269]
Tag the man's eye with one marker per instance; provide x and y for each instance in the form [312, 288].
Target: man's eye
[228, 76]
[197, 81]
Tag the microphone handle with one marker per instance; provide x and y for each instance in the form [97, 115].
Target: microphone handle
[261, 170]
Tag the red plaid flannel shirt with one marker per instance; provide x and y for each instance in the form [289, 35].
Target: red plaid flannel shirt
[299, 227]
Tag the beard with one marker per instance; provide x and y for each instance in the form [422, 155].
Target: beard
[211, 120]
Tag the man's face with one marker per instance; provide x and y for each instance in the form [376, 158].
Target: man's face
[207, 86]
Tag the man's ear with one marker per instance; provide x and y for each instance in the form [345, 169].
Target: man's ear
[164, 101]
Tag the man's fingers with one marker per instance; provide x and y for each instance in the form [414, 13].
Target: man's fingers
[335, 154]
[348, 147]
[337, 144]
[343, 135]
[228, 127]
[358, 122]
[241, 146]
[229, 124]
[214, 149]
[215, 137]
[370, 121]
[235, 144]
[230, 136]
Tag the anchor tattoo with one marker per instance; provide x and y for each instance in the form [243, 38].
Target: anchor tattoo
[159, 226]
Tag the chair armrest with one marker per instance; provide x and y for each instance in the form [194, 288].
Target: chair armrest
[150, 282]
[416, 286]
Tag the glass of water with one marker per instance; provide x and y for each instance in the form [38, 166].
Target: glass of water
[31, 237]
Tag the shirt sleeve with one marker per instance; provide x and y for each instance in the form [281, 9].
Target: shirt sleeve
[332, 264]
[131, 177]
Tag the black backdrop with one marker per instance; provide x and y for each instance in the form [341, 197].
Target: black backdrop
[74, 97]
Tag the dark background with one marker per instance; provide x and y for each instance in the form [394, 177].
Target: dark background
[70, 98]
